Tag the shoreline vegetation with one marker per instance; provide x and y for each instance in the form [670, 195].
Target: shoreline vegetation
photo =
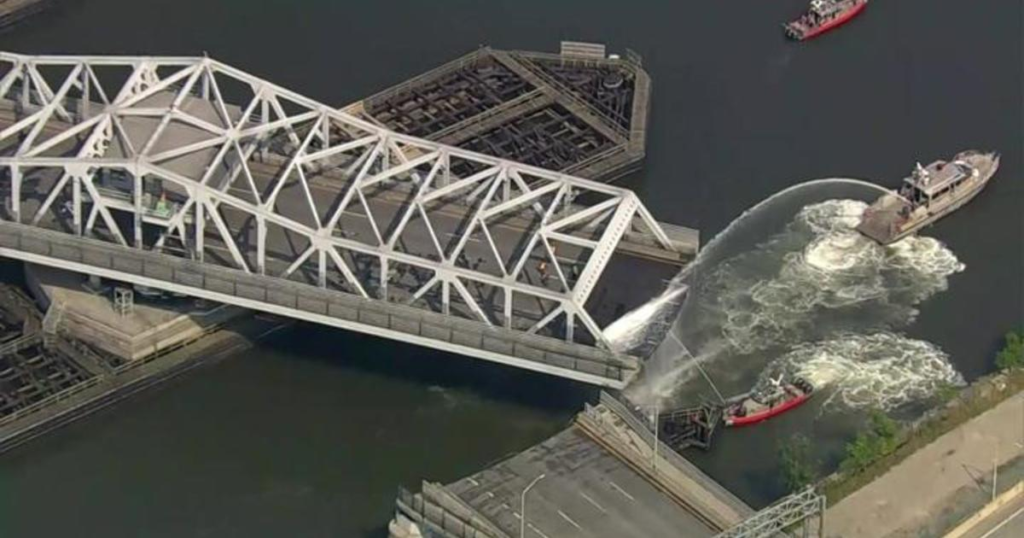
[883, 442]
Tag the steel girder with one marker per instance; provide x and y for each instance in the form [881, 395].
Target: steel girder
[200, 159]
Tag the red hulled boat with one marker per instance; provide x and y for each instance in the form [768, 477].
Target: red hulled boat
[762, 405]
[823, 16]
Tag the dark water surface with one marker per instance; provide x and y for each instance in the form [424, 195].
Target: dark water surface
[309, 435]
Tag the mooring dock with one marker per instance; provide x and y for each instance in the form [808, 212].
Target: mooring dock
[582, 112]
[599, 477]
[31, 369]
[52, 370]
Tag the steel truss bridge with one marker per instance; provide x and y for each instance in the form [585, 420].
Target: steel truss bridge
[189, 175]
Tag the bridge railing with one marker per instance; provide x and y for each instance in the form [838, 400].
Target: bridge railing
[19, 344]
[304, 301]
[644, 429]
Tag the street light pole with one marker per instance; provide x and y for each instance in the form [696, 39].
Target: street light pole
[522, 505]
[995, 473]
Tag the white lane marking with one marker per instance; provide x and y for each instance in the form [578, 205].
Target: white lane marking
[622, 491]
[569, 519]
[536, 530]
[1003, 522]
[457, 236]
[593, 502]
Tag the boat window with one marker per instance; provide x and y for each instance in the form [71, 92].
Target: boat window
[943, 191]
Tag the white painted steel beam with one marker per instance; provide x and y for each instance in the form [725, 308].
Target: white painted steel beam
[170, 125]
[331, 321]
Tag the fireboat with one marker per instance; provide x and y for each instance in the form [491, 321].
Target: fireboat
[822, 16]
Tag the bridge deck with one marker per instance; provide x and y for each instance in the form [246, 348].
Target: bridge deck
[306, 302]
[271, 197]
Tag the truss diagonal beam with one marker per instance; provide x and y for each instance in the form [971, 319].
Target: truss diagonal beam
[170, 131]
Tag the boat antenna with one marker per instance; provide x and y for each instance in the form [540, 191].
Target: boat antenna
[696, 362]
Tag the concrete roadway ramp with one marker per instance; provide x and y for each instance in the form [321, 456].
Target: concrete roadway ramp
[601, 479]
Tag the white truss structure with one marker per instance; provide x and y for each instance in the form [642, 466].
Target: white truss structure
[199, 159]
[802, 512]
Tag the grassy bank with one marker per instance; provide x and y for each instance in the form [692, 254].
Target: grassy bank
[879, 448]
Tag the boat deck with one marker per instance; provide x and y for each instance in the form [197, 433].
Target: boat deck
[880, 220]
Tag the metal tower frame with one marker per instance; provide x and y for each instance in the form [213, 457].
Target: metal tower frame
[114, 147]
[782, 518]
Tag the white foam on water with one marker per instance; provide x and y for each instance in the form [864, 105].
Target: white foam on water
[821, 264]
[820, 294]
[882, 370]
[629, 334]
[624, 335]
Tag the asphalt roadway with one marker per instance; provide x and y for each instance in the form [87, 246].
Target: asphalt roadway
[1006, 522]
[586, 491]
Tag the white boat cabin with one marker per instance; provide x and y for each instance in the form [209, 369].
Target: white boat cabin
[935, 181]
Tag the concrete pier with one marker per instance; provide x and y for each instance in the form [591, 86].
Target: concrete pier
[83, 356]
[117, 383]
[152, 324]
[581, 112]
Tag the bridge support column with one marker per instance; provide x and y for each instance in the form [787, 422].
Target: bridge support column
[205, 86]
[261, 245]
[321, 267]
[137, 199]
[76, 203]
[569, 325]
[26, 83]
[445, 297]
[83, 113]
[16, 194]
[508, 308]
[200, 220]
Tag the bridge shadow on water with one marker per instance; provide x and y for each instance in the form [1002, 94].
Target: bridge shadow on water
[429, 368]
